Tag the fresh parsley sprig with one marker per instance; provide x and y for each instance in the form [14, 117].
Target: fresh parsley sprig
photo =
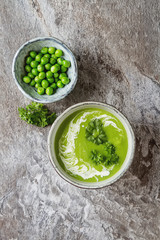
[95, 132]
[37, 114]
[97, 157]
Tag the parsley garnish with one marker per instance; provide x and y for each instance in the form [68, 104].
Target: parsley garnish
[96, 134]
[97, 157]
[36, 114]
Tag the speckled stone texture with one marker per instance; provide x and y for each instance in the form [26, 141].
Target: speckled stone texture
[116, 44]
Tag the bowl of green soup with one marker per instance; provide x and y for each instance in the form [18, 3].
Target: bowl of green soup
[91, 145]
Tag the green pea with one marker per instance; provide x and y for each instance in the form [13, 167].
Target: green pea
[35, 71]
[63, 69]
[33, 54]
[40, 68]
[45, 83]
[41, 75]
[52, 61]
[55, 68]
[34, 64]
[56, 75]
[58, 53]
[29, 60]
[53, 85]
[47, 55]
[40, 90]
[50, 80]
[60, 84]
[65, 80]
[66, 63]
[60, 61]
[48, 66]
[38, 58]
[26, 79]
[61, 75]
[37, 79]
[54, 56]
[49, 74]
[44, 60]
[44, 50]
[49, 91]
[30, 75]
[56, 80]
[28, 68]
[51, 50]
[37, 85]
[32, 83]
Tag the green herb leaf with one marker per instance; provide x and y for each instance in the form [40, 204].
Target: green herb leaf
[97, 157]
[37, 114]
[113, 159]
[95, 132]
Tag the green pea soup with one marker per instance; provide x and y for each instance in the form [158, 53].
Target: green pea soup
[73, 150]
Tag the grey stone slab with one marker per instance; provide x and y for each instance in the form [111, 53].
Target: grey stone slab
[116, 44]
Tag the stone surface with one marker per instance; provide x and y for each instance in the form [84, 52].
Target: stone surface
[117, 50]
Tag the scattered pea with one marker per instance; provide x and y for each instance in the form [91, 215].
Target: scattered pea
[55, 68]
[44, 50]
[26, 79]
[37, 79]
[47, 55]
[49, 74]
[66, 63]
[53, 85]
[63, 69]
[58, 53]
[45, 83]
[33, 54]
[34, 64]
[65, 80]
[30, 75]
[60, 61]
[32, 83]
[52, 61]
[51, 50]
[44, 60]
[48, 66]
[40, 90]
[28, 68]
[54, 56]
[60, 84]
[61, 75]
[40, 68]
[35, 71]
[49, 91]
[38, 58]
[56, 75]
[37, 85]
[29, 60]
[50, 80]
[41, 75]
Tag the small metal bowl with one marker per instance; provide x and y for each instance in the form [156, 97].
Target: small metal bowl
[51, 145]
[18, 70]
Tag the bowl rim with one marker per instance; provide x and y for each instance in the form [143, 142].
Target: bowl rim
[36, 40]
[74, 107]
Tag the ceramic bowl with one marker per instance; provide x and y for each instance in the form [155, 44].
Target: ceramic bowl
[68, 112]
[18, 69]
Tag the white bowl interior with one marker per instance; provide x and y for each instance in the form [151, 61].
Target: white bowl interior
[129, 156]
[19, 63]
